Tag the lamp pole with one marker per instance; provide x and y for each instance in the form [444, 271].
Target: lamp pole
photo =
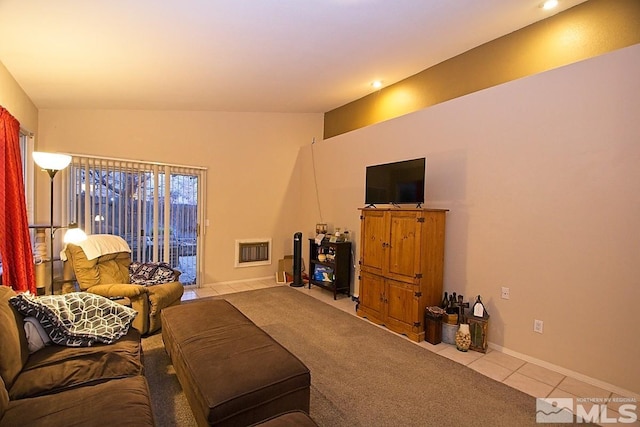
[52, 174]
[51, 163]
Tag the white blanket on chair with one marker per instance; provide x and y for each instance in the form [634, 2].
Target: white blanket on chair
[97, 245]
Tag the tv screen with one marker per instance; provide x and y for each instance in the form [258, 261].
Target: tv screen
[395, 183]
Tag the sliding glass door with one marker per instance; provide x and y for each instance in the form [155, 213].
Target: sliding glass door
[156, 208]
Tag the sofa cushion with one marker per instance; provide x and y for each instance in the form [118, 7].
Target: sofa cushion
[77, 319]
[4, 398]
[163, 296]
[13, 340]
[114, 268]
[109, 268]
[122, 402]
[56, 368]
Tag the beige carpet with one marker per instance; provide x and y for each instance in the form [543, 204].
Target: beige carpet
[361, 375]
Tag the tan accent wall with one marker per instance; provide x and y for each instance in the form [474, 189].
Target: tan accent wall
[584, 31]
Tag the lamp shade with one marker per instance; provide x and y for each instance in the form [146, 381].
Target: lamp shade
[51, 161]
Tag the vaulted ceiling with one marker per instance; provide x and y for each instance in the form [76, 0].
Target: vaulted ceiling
[238, 55]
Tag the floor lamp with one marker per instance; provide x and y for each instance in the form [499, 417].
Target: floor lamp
[52, 163]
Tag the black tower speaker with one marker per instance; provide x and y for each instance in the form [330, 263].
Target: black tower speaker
[297, 261]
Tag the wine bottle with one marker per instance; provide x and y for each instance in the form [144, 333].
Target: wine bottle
[445, 302]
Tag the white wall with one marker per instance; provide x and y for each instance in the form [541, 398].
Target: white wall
[542, 179]
[251, 161]
[16, 102]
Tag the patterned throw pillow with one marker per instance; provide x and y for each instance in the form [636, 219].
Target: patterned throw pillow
[77, 319]
[151, 273]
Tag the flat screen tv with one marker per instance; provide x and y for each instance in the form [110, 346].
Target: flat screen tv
[395, 183]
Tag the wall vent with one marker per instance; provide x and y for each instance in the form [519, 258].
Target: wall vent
[252, 252]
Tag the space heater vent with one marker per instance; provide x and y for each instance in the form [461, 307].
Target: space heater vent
[252, 252]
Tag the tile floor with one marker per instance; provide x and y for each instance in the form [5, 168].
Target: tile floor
[524, 376]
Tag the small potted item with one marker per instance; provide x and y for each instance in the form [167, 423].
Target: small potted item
[463, 337]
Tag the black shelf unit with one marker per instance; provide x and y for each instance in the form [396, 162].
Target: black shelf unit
[337, 265]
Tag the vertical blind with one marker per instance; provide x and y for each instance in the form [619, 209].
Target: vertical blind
[157, 208]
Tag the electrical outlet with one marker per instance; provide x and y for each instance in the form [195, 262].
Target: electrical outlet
[537, 326]
[505, 293]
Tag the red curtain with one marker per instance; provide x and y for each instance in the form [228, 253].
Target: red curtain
[15, 241]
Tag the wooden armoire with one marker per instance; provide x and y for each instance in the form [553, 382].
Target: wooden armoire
[401, 266]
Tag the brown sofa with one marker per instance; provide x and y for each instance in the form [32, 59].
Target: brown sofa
[108, 276]
[60, 385]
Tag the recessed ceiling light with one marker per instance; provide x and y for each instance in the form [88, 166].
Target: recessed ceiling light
[377, 84]
[549, 4]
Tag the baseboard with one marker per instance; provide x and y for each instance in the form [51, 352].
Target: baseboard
[567, 372]
[255, 279]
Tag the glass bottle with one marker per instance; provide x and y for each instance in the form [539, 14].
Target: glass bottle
[445, 301]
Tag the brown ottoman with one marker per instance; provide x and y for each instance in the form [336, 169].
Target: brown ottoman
[289, 419]
[231, 371]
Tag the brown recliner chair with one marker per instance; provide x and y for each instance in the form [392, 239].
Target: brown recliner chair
[108, 275]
